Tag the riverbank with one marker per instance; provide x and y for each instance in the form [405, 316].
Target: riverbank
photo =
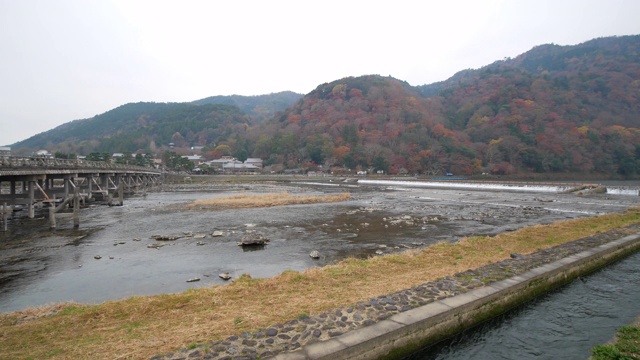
[295, 334]
[141, 327]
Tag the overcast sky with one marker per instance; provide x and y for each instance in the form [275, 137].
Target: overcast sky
[63, 60]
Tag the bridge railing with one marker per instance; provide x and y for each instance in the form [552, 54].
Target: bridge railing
[30, 162]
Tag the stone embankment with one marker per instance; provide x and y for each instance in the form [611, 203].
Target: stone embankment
[296, 333]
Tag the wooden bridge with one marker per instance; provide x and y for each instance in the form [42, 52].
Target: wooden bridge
[34, 182]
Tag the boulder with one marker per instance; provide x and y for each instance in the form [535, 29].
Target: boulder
[165, 237]
[224, 276]
[217, 233]
[314, 254]
[252, 238]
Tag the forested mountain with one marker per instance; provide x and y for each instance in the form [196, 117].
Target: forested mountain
[553, 109]
[259, 107]
[143, 126]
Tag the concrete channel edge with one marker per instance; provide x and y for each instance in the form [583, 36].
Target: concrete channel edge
[406, 332]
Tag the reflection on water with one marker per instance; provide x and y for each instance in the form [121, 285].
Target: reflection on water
[252, 248]
[564, 324]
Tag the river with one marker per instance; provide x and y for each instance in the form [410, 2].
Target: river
[112, 254]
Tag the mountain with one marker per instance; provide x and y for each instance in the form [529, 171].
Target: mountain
[259, 107]
[142, 126]
[553, 109]
[368, 122]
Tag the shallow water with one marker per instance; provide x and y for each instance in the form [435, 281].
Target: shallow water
[39, 266]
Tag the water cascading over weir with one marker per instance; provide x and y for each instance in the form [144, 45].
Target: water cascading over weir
[489, 186]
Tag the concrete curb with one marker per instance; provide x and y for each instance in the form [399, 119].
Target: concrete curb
[406, 332]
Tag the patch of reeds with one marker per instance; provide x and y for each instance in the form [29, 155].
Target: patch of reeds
[265, 200]
[143, 326]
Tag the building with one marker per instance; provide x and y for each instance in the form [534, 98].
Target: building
[44, 153]
[197, 159]
[5, 150]
[254, 161]
[239, 167]
[219, 163]
[229, 164]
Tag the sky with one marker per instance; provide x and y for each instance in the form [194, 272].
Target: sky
[62, 60]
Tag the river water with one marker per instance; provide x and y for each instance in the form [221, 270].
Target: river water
[563, 324]
[112, 254]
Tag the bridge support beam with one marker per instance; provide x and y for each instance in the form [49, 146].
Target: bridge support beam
[32, 199]
[5, 216]
[52, 214]
[76, 208]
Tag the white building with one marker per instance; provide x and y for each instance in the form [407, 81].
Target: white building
[239, 167]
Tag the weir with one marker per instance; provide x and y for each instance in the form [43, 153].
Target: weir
[36, 182]
[506, 186]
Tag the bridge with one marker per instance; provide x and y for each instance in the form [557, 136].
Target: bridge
[34, 182]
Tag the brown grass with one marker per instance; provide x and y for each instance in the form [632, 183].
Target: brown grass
[265, 200]
[140, 327]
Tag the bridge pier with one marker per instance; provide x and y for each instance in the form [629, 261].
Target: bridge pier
[120, 192]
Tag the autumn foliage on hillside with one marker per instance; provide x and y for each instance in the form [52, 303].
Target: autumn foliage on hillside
[553, 109]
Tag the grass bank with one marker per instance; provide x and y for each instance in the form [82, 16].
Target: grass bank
[626, 345]
[143, 326]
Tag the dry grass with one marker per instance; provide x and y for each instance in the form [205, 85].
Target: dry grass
[140, 327]
[265, 200]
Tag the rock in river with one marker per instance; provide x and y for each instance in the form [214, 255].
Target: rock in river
[315, 254]
[251, 238]
[166, 237]
[225, 276]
